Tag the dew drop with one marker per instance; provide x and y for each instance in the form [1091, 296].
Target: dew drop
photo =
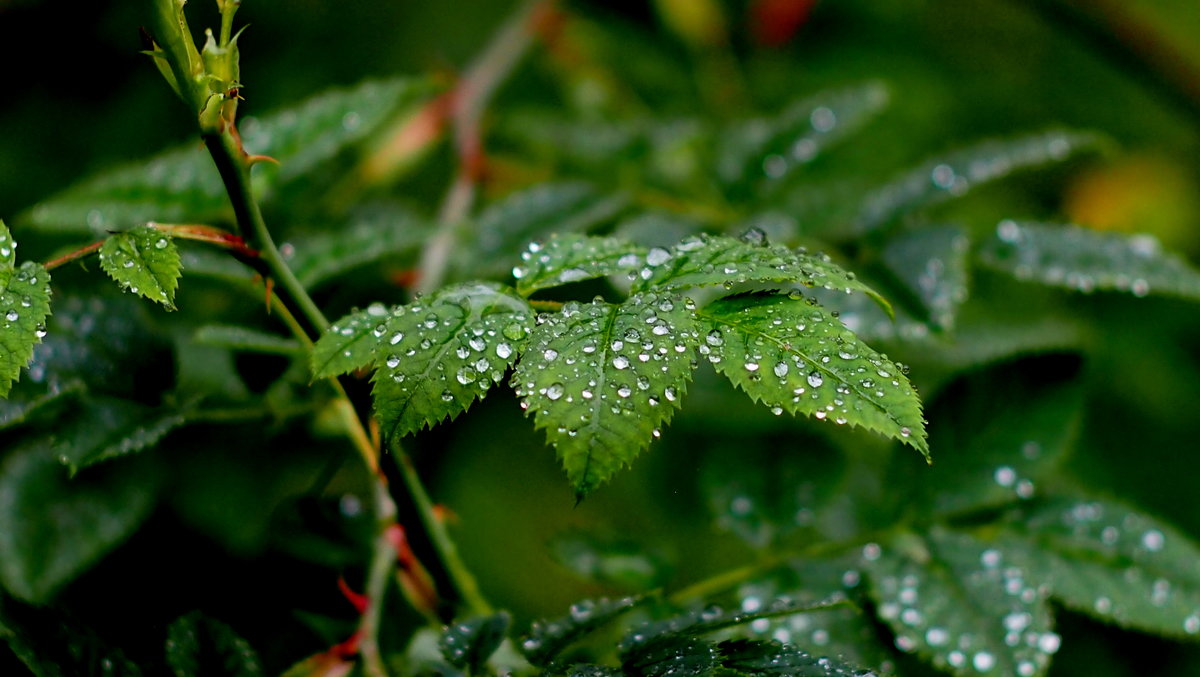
[554, 391]
[621, 362]
[815, 379]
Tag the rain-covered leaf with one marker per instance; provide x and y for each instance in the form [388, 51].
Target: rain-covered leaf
[955, 173]
[380, 234]
[24, 306]
[103, 428]
[183, 186]
[671, 656]
[794, 356]
[706, 261]
[469, 643]
[573, 258]
[1001, 432]
[1111, 562]
[505, 227]
[548, 638]
[714, 618]
[757, 657]
[600, 379]
[246, 339]
[932, 264]
[198, 646]
[438, 355]
[1086, 260]
[53, 528]
[611, 562]
[771, 148]
[961, 604]
[351, 342]
[145, 261]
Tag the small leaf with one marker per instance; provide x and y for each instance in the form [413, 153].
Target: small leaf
[504, 227]
[600, 379]
[144, 261]
[958, 172]
[961, 604]
[548, 638]
[772, 658]
[1111, 562]
[1086, 260]
[437, 356]
[24, 307]
[351, 342]
[198, 646]
[796, 357]
[247, 340]
[932, 263]
[772, 148]
[100, 429]
[53, 528]
[381, 234]
[468, 644]
[574, 258]
[707, 261]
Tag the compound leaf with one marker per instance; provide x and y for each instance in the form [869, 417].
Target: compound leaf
[350, 343]
[958, 172]
[144, 261]
[957, 602]
[706, 261]
[198, 645]
[563, 259]
[24, 307]
[794, 356]
[437, 356]
[601, 379]
[1106, 560]
[1084, 260]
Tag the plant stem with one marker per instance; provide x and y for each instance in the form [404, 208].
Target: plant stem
[383, 562]
[73, 256]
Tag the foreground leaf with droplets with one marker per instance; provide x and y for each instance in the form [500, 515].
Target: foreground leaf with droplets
[706, 261]
[548, 638]
[956, 173]
[469, 643]
[350, 343]
[24, 307]
[758, 657]
[959, 603]
[438, 355]
[1086, 260]
[1108, 561]
[794, 356]
[563, 259]
[144, 261]
[601, 378]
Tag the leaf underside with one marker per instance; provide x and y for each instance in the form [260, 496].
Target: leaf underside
[24, 307]
[794, 356]
[145, 262]
[601, 378]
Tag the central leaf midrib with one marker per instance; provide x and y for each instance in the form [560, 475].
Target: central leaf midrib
[601, 382]
[437, 360]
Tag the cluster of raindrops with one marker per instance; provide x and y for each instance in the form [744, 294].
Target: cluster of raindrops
[798, 358]
[572, 258]
[954, 175]
[144, 254]
[1003, 620]
[24, 305]
[548, 637]
[1085, 260]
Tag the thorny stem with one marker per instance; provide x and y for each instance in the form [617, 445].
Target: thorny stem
[468, 101]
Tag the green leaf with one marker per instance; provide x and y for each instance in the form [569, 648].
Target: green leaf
[600, 379]
[350, 343]
[468, 644]
[437, 356]
[52, 642]
[182, 185]
[29, 400]
[24, 307]
[548, 638]
[772, 148]
[380, 234]
[53, 528]
[563, 259]
[103, 428]
[1111, 562]
[246, 339]
[706, 261]
[796, 357]
[198, 646]
[1000, 433]
[954, 174]
[756, 657]
[959, 603]
[144, 261]
[1086, 260]
[504, 227]
[932, 264]
[670, 657]
[619, 563]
